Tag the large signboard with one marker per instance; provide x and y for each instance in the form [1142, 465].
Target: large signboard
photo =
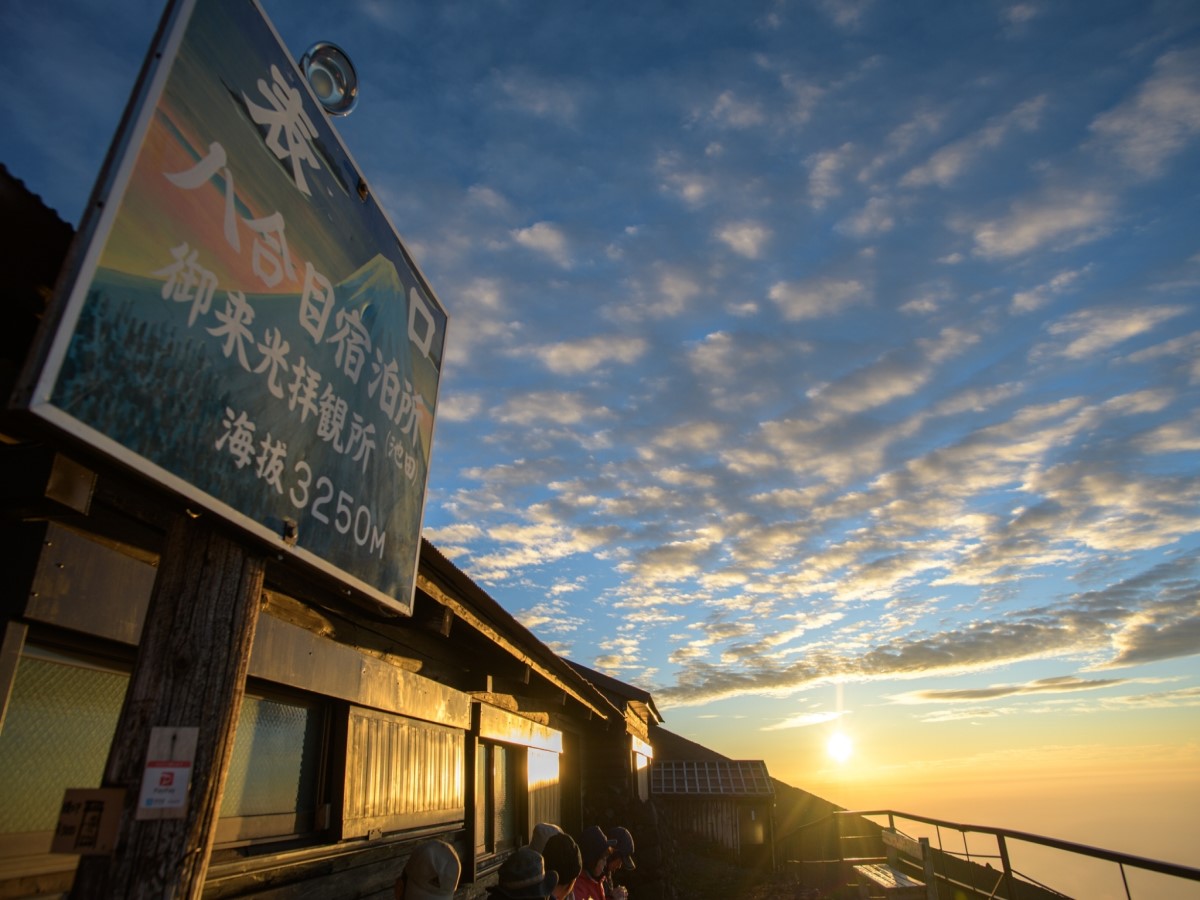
[244, 325]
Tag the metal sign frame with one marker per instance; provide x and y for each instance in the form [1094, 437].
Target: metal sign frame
[239, 320]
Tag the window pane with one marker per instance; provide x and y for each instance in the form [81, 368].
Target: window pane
[60, 722]
[643, 775]
[545, 804]
[505, 821]
[276, 755]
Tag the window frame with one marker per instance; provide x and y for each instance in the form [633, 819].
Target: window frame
[24, 851]
[232, 832]
[490, 847]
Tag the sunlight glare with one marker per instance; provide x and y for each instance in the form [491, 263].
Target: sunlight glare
[840, 747]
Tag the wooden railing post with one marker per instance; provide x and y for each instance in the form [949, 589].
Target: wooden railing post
[190, 673]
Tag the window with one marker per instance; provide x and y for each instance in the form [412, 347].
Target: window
[60, 721]
[271, 789]
[59, 724]
[496, 792]
[641, 764]
[545, 792]
[643, 755]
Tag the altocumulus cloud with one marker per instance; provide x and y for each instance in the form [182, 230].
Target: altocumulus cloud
[576, 357]
[744, 238]
[1058, 218]
[1062, 684]
[545, 238]
[818, 298]
[1091, 331]
[1157, 122]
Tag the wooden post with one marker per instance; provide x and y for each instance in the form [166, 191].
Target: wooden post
[190, 673]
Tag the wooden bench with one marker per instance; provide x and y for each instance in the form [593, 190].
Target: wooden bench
[887, 880]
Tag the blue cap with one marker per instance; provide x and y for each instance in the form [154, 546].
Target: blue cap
[624, 847]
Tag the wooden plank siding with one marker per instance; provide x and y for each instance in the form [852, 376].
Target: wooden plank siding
[715, 820]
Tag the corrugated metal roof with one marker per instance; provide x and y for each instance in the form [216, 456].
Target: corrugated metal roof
[712, 777]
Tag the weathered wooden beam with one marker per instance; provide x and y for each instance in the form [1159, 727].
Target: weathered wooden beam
[435, 618]
[468, 616]
[190, 673]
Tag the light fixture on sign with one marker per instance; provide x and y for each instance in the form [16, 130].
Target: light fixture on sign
[332, 77]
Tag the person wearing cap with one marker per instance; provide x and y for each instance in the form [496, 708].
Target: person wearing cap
[621, 860]
[523, 876]
[431, 873]
[542, 832]
[594, 848]
[562, 856]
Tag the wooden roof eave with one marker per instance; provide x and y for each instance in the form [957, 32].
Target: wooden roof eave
[638, 699]
[487, 617]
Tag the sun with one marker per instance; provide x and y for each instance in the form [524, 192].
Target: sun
[840, 748]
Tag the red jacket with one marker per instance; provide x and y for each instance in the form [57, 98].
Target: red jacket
[588, 888]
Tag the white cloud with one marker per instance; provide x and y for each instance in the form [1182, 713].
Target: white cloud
[818, 298]
[744, 238]
[804, 720]
[805, 97]
[1037, 297]
[695, 435]
[693, 188]
[823, 170]
[486, 196]
[1056, 685]
[459, 407]
[529, 544]
[1155, 124]
[480, 302]
[668, 294]
[900, 140]
[676, 290]
[545, 238]
[731, 112]
[1093, 331]
[948, 163]
[559, 407]
[895, 375]
[1173, 437]
[1053, 221]
[454, 534]
[575, 357]
[874, 219]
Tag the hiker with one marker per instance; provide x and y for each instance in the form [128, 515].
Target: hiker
[542, 832]
[594, 848]
[562, 856]
[431, 873]
[620, 861]
[523, 876]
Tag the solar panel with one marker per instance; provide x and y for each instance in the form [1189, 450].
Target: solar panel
[709, 777]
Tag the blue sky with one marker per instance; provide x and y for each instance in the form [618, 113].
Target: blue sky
[810, 363]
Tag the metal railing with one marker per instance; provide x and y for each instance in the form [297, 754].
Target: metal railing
[954, 867]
